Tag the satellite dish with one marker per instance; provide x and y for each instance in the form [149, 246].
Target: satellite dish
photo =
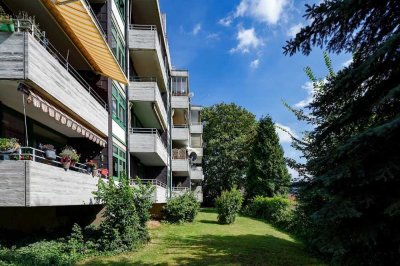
[193, 156]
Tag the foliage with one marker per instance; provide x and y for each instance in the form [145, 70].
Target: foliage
[276, 210]
[267, 174]
[227, 132]
[8, 144]
[69, 154]
[350, 198]
[228, 206]
[183, 208]
[124, 226]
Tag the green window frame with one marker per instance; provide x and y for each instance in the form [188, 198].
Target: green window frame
[119, 162]
[118, 45]
[118, 107]
[121, 5]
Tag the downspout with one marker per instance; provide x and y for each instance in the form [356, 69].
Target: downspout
[127, 119]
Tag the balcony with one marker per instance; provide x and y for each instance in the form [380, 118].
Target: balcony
[180, 101]
[196, 173]
[179, 191]
[146, 144]
[146, 53]
[196, 127]
[180, 133]
[149, 105]
[160, 192]
[180, 162]
[28, 56]
[30, 180]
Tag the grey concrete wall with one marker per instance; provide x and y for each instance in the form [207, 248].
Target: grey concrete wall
[12, 183]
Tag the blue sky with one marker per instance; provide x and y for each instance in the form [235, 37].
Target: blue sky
[233, 50]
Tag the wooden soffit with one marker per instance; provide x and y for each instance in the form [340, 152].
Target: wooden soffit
[77, 20]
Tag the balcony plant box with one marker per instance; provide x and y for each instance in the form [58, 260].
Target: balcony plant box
[49, 152]
[8, 146]
[68, 155]
[6, 22]
[92, 168]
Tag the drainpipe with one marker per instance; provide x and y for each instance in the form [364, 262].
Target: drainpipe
[127, 118]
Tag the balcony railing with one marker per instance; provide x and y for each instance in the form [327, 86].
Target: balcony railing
[153, 182]
[36, 155]
[26, 25]
[180, 125]
[180, 93]
[179, 154]
[142, 79]
[148, 131]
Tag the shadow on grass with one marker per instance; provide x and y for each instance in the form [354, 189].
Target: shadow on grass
[223, 250]
[208, 222]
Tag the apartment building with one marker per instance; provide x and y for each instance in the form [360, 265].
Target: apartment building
[96, 76]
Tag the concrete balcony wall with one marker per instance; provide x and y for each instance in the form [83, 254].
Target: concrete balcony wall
[29, 183]
[180, 102]
[181, 166]
[145, 39]
[196, 128]
[22, 57]
[148, 92]
[149, 148]
[196, 173]
[180, 133]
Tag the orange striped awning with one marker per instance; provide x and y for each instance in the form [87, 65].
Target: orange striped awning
[77, 20]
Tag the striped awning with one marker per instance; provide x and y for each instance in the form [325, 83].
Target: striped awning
[77, 20]
[63, 118]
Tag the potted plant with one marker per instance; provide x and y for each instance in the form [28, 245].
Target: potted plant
[92, 167]
[49, 151]
[8, 146]
[6, 22]
[68, 155]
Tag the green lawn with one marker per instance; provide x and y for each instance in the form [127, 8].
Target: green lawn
[204, 242]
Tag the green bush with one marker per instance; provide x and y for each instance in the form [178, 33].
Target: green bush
[228, 205]
[276, 210]
[181, 209]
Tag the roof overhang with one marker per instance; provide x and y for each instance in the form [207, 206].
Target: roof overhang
[77, 20]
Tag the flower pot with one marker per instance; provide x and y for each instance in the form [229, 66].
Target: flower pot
[66, 165]
[50, 155]
[7, 27]
[9, 151]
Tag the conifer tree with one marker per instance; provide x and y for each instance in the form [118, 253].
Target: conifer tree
[267, 173]
[350, 201]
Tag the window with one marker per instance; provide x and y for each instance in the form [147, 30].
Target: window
[179, 85]
[121, 8]
[117, 45]
[119, 107]
[119, 162]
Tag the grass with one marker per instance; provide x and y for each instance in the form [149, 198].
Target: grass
[205, 242]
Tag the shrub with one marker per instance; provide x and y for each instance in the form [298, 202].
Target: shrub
[125, 213]
[228, 205]
[276, 210]
[181, 209]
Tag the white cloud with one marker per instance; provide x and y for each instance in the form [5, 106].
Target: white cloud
[348, 62]
[294, 30]
[196, 29]
[213, 36]
[284, 135]
[266, 11]
[308, 86]
[254, 64]
[247, 39]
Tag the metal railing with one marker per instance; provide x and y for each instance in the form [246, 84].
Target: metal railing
[196, 123]
[180, 93]
[143, 79]
[147, 131]
[36, 155]
[26, 25]
[179, 154]
[153, 182]
[142, 27]
[180, 125]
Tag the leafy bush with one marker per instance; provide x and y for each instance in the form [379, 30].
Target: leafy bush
[125, 216]
[276, 210]
[228, 205]
[181, 209]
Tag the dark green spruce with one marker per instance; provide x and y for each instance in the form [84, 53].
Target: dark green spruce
[267, 174]
[349, 206]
